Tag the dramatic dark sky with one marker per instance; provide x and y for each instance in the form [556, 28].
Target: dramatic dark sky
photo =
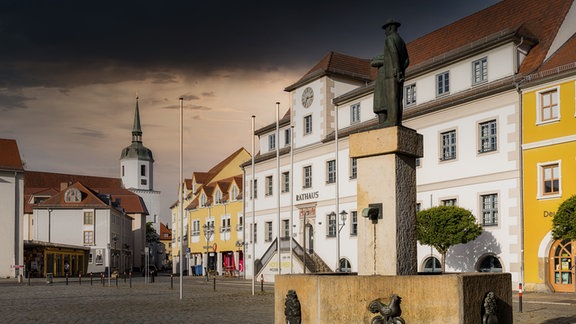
[70, 72]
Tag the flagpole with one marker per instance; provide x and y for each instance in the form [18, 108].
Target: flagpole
[337, 211]
[253, 189]
[291, 179]
[181, 192]
[278, 182]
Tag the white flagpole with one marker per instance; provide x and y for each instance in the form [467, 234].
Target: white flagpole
[290, 186]
[278, 181]
[253, 190]
[181, 192]
[337, 211]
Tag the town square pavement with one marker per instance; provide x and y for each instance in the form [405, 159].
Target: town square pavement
[229, 300]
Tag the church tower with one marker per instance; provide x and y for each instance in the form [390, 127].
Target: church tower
[136, 161]
[137, 172]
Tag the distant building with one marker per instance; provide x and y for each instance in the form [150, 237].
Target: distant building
[166, 239]
[11, 209]
[91, 223]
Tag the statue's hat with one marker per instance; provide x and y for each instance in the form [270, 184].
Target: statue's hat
[391, 21]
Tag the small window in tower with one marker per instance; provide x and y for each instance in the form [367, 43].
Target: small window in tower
[142, 170]
[122, 170]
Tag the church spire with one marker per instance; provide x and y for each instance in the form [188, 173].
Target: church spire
[137, 130]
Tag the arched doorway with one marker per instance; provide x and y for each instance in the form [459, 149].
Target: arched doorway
[562, 266]
[309, 237]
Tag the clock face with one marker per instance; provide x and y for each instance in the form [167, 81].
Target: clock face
[307, 97]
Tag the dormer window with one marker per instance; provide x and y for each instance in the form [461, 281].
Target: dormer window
[234, 192]
[72, 195]
[218, 196]
[202, 200]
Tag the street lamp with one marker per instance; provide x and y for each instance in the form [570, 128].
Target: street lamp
[208, 230]
[343, 215]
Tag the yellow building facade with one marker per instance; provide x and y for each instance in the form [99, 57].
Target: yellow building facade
[213, 215]
[549, 170]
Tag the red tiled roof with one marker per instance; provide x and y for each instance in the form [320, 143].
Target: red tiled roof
[564, 56]
[165, 232]
[51, 184]
[10, 156]
[89, 199]
[338, 64]
[37, 179]
[542, 19]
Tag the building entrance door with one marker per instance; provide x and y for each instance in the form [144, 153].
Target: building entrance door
[309, 238]
[562, 266]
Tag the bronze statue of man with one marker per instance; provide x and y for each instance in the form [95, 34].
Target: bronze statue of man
[389, 87]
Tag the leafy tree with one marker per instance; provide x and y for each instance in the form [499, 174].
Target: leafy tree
[444, 226]
[151, 234]
[564, 221]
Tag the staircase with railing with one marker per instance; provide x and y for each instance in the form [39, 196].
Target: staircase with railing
[312, 261]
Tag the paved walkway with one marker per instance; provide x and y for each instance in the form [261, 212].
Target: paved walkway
[159, 302]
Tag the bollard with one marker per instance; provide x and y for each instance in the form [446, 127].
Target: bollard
[130, 275]
[214, 283]
[116, 280]
[206, 270]
[171, 281]
[90, 278]
[80, 279]
[66, 279]
[124, 276]
[262, 283]
[28, 279]
[520, 297]
[102, 279]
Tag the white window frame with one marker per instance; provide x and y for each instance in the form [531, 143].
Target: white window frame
[541, 167]
[442, 84]
[285, 181]
[353, 168]
[355, 113]
[272, 142]
[449, 201]
[539, 106]
[480, 71]
[410, 94]
[353, 223]
[448, 149]
[269, 186]
[331, 225]
[234, 191]
[287, 136]
[489, 205]
[307, 176]
[331, 171]
[268, 231]
[491, 138]
[195, 227]
[285, 228]
[307, 124]
[88, 237]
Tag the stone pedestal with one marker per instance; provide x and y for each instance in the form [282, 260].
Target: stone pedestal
[447, 298]
[386, 160]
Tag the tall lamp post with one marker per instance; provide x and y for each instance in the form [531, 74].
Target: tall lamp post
[343, 215]
[208, 230]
